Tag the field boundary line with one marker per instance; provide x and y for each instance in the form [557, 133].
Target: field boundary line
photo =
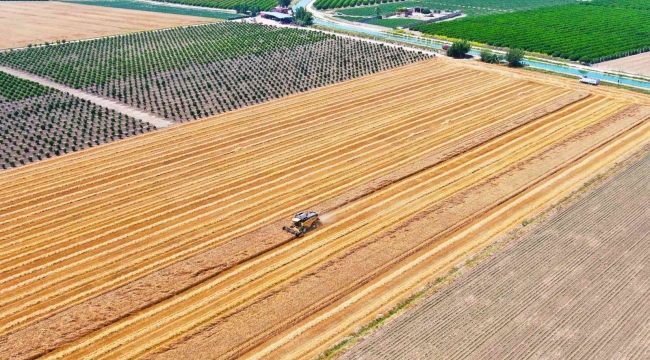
[98, 100]
[437, 284]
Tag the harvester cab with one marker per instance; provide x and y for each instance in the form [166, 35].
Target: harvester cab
[302, 222]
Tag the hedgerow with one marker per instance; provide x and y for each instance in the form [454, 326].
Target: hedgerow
[37, 122]
[225, 4]
[580, 32]
[190, 73]
[161, 8]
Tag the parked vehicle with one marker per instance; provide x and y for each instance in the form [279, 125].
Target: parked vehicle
[590, 81]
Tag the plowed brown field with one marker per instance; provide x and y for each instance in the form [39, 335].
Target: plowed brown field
[170, 244]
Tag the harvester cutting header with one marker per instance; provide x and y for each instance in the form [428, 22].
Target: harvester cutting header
[302, 222]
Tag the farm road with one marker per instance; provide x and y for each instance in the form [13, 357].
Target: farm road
[574, 288]
[113, 105]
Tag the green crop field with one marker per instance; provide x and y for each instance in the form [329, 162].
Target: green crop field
[224, 4]
[391, 7]
[143, 6]
[584, 32]
[469, 7]
[629, 4]
[392, 23]
[188, 73]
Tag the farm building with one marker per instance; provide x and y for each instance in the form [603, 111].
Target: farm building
[278, 16]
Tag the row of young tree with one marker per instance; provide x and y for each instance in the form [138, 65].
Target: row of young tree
[42, 122]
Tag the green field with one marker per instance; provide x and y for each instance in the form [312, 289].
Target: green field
[580, 32]
[393, 23]
[224, 4]
[140, 5]
[390, 23]
[192, 72]
[392, 7]
[629, 4]
[469, 7]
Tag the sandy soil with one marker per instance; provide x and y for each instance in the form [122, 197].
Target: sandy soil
[574, 288]
[638, 64]
[170, 244]
[25, 23]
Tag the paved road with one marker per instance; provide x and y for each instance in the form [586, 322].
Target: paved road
[107, 103]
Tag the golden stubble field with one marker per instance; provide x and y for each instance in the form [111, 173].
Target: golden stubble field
[37, 22]
[169, 245]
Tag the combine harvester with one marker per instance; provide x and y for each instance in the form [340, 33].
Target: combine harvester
[302, 222]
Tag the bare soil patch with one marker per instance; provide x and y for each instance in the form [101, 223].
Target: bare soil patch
[638, 64]
[37, 22]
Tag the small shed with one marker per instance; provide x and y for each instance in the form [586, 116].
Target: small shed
[277, 16]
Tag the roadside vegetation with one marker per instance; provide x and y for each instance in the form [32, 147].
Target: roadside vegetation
[459, 49]
[588, 33]
[303, 17]
[490, 57]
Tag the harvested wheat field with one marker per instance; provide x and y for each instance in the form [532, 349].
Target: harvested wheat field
[169, 245]
[576, 287]
[638, 64]
[37, 22]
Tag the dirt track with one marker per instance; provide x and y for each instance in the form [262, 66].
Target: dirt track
[25, 22]
[104, 238]
[107, 103]
[584, 293]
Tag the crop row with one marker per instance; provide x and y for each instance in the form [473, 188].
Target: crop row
[224, 4]
[630, 4]
[88, 63]
[603, 235]
[359, 133]
[161, 8]
[471, 7]
[37, 122]
[578, 32]
[186, 74]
